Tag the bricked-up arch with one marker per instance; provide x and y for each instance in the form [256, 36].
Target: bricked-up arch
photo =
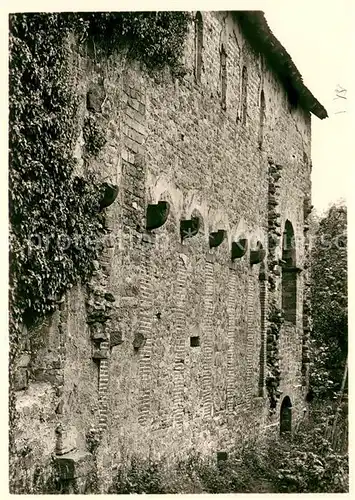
[286, 417]
[289, 274]
[223, 61]
[198, 46]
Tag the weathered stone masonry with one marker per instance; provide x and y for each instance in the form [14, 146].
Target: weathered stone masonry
[182, 351]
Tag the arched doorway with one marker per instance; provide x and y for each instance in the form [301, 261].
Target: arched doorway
[286, 417]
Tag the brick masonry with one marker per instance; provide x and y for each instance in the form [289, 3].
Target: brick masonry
[171, 140]
[251, 340]
[144, 332]
[207, 340]
[103, 390]
[263, 326]
[180, 340]
[232, 295]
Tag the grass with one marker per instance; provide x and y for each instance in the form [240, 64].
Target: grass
[307, 463]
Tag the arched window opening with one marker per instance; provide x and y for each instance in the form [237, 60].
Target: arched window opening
[223, 57]
[289, 245]
[261, 119]
[289, 274]
[198, 46]
[244, 94]
[286, 417]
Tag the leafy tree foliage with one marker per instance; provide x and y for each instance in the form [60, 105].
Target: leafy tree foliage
[155, 38]
[329, 302]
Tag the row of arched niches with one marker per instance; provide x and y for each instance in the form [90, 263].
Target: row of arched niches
[157, 215]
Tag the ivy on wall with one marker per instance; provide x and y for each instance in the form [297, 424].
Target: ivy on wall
[93, 136]
[52, 213]
[50, 208]
[154, 38]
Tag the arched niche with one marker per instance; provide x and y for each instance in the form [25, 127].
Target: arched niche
[218, 229]
[192, 226]
[289, 274]
[289, 245]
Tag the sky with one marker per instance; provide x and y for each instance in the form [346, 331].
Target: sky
[318, 36]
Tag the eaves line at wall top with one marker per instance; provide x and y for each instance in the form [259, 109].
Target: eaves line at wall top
[261, 38]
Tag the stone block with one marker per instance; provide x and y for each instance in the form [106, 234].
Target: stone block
[49, 375]
[20, 379]
[149, 238]
[98, 353]
[139, 340]
[210, 257]
[59, 409]
[24, 360]
[99, 332]
[116, 338]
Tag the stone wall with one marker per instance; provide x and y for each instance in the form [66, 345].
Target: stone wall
[153, 391]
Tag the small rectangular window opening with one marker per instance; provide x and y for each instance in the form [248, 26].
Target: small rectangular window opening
[195, 341]
[222, 456]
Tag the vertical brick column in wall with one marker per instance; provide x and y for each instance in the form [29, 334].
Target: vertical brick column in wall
[250, 339]
[133, 213]
[103, 388]
[133, 118]
[263, 308]
[180, 341]
[230, 337]
[207, 340]
[133, 160]
[145, 332]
